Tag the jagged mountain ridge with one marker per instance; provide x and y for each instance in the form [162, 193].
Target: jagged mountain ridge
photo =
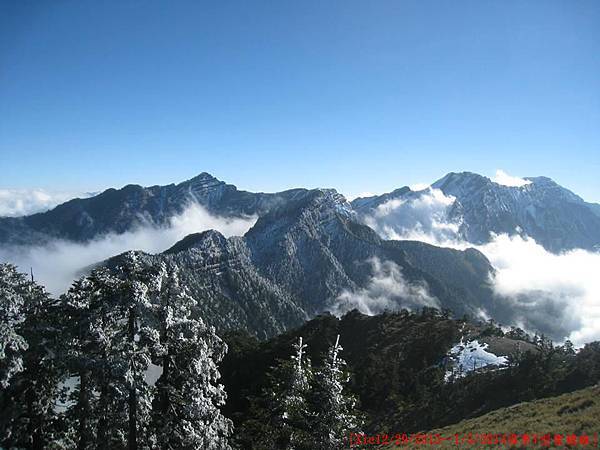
[297, 259]
[118, 211]
[555, 217]
[552, 215]
[307, 248]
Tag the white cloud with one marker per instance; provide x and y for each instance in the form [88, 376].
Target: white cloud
[387, 289]
[22, 202]
[558, 294]
[505, 179]
[419, 186]
[56, 264]
[421, 218]
[351, 197]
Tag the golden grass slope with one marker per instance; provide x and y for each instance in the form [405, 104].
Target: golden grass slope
[576, 413]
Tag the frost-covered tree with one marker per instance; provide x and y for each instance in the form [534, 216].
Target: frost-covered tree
[14, 289]
[333, 408]
[131, 325]
[90, 306]
[186, 407]
[30, 367]
[136, 343]
[113, 335]
[288, 407]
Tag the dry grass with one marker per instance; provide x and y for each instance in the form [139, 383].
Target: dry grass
[574, 413]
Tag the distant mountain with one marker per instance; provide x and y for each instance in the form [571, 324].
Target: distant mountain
[118, 211]
[314, 247]
[299, 257]
[312, 251]
[554, 216]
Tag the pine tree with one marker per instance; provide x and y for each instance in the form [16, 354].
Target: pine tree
[112, 339]
[13, 291]
[31, 370]
[90, 307]
[288, 409]
[137, 343]
[333, 409]
[129, 325]
[186, 407]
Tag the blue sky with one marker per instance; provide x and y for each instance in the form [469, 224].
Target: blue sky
[361, 96]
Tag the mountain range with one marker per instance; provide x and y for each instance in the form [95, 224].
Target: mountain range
[478, 207]
[311, 250]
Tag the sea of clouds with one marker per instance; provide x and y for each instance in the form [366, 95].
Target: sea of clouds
[554, 293]
[58, 263]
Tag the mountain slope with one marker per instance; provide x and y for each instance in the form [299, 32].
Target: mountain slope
[299, 258]
[231, 293]
[315, 249]
[398, 365]
[474, 209]
[576, 413]
[478, 207]
[308, 251]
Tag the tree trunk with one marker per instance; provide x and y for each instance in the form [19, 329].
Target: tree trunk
[102, 438]
[83, 411]
[132, 435]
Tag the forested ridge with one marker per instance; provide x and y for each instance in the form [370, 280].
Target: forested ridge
[125, 360]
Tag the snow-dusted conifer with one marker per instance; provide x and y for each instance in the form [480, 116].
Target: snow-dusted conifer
[186, 407]
[334, 416]
[13, 290]
[30, 368]
[93, 408]
[136, 336]
[289, 409]
[114, 334]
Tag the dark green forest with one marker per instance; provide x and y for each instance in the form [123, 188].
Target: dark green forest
[397, 363]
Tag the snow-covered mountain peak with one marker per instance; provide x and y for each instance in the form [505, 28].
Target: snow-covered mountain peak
[204, 240]
[475, 208]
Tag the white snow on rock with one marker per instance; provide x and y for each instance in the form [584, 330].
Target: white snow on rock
[470, 356]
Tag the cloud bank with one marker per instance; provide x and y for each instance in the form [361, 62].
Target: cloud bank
[420, 218]
[58, 263]
[557, 293]
[505, 179]
[22, 202]
[545, 292]
[386, 290]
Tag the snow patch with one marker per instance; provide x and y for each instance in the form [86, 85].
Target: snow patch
[469, 357]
